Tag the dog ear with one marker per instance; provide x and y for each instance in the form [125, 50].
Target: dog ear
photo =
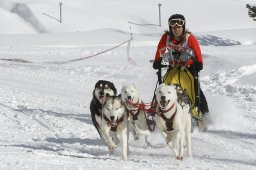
[120, 98]
[112, 86]
[115, 91]
[98, 83]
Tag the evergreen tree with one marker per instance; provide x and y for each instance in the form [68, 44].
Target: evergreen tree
[251, 11]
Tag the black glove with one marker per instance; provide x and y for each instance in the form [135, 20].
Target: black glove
[157, 64]
[198, 66]
[176, 55]
[195, 68]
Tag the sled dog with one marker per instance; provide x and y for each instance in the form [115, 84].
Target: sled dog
[173, 120]
[136, 115]
[114, 124]
[102, 87]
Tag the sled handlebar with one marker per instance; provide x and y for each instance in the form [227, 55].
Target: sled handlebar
[164, 65]
[173, 57]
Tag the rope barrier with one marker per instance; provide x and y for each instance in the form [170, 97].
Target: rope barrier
[130, 60]
[83, 58]
[143, 24]
[87, 57]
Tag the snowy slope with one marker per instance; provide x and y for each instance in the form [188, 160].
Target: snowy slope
[83, 15]
[45, 115]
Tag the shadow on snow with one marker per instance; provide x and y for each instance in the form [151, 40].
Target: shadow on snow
[210, 40]
[232, 134]
[227, 160]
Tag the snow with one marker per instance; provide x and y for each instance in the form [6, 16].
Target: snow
[45, 97]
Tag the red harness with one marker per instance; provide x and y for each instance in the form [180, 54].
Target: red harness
[168, 122]
[147, 107]
[113, 124]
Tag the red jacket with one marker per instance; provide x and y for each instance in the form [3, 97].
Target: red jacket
[192, 43]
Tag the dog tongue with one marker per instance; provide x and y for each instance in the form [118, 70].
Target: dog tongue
[112, 123]
[163, 102]
[129, 101]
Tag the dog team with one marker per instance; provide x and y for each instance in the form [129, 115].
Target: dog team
[115, 116]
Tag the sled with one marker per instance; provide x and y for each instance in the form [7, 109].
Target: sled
[182, 77]
[178, 74]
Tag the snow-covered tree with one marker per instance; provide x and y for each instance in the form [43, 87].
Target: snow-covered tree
[251, 11]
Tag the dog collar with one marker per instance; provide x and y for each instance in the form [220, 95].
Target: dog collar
[110, 123]
[134, 105]
[169, 122]
[164, 111]
[134, 114]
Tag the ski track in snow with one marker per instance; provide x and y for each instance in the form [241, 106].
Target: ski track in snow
[227, 84]
[60, 120]
[224, 82]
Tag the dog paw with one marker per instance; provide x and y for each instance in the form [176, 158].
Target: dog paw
[124, 158]
[179, 158]
[112, 147]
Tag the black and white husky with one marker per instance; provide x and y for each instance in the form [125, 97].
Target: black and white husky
[102, 87]
[109, 116]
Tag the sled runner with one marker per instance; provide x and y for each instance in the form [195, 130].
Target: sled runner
[178, 74]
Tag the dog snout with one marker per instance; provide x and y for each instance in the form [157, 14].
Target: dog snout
[101, 93]
[163, 97]
[112, 118]
[129, 97]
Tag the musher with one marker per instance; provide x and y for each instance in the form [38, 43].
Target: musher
[178, 38]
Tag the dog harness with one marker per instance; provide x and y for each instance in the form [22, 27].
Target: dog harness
[137, 108]
[180, 52]
[110, 123]
[168, 122]
[144, 107]
[134, 114]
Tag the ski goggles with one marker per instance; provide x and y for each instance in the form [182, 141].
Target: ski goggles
[176, 22]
